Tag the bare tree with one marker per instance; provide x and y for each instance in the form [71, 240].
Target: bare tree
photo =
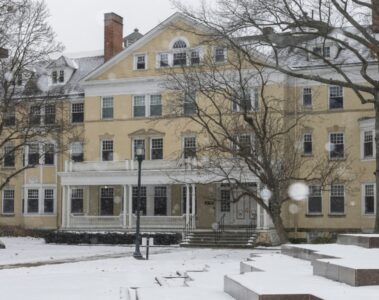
[31, 114]
[247, 125]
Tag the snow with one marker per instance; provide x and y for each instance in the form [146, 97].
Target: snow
[347, 255]
[110, 278]
[287, 275]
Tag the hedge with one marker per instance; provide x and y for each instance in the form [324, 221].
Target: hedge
[110, 238]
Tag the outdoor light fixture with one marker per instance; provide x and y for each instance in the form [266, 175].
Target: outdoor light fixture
[140, 154]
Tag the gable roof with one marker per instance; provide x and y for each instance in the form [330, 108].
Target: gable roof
[143, 40]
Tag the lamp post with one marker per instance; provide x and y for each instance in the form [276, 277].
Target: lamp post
[140, 153]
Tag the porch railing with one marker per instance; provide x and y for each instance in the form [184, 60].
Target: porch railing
[96, 221]
[174, 222]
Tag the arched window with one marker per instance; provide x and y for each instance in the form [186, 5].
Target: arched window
[179, 44]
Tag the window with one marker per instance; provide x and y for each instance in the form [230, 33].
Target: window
[369, 198]
[195, 57]
[180, 59]
[307, 97]
[189, 147]
[316, 51]
[326, 52]
[35, 115]
[19, 80]
[33, 154]
[49, 114]
[155, 105]
[225, 198]
[77, 152]
[337, 199]
[179, 44]
[9, 155]
[142, 199]
[48, 201]
[8, 201]
[10, 117]
[314, 200]
[140, 62]
[77, 112]
[106, 201]
[189, 103]
[107, 107]
[184, 199]
[321, 51]
[107, 150]
[49, 153]
[77, 201]
[139, 106]
[156, 148]
[61, 76]
[336, 144]
[243, 145]
[54, 77]
[138, 143]
[307, 143]
[368, 144]
[335, 97]
[32, 201]
[163, 60]
[160, 201]
[246, 102]
[220, 54]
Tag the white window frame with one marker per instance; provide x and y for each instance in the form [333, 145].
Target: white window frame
[41, 198]
[147, 105]
[343, 97]
[363, 131]
[363, 199]
[344, 201]
[71, 111]
[144, 145]
[41, 149]
[344, 145]
[151, 146]
[72, 147]
[101, 149]
[311, 95]
[136, 60]
[3, 197]
[311, 141]
[183, 144]
[102, 106]
[254, 101]
[225, 54]
[315, 213]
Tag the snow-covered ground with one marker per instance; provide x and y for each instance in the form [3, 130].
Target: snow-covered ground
[108, 278]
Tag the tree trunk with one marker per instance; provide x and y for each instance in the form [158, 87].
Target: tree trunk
[376, 228]
[278, 223]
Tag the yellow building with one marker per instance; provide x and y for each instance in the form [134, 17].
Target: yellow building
[120, 102]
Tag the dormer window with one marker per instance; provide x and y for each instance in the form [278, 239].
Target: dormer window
[61, 76]
[321, 51]
[54, 76]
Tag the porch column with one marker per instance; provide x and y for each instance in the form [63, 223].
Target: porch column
[265, 217]
[187, 203]
[68, 205]
[124, 206]
[193, 205]
[64, 203]
[130, 201]
[258, 208]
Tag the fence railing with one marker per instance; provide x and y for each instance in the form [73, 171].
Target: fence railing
[96, 221]
[174, 222]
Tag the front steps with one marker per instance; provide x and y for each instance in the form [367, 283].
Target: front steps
[226, 239]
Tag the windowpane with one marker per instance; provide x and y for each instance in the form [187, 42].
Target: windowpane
[369, 194]
[49, 153]
[195, 57]
[77, 152]
[107, 107]
[49, 114]
[48, 201]
[307, 143]
[179, 44]
[307, 97]
[189, 147]
[156, 148]
[10, 117]
[337, 198]
[337, 148]
[180, 59]
[163, 60]
[189, 105]
[160, 201]
[32, 201]
[225, 198]
[8, 201]
[139, 143]
[61, 76]
[139, 106]
[142, 200]
[9, 155]
[141, 62]
[368, 146]
[314, 199]
[155, 105]
[33, 157]
[335, 97]
[220, 54]
[107, 150]
[35, 115]
[77, 201]
[54, 76]
[77, 112]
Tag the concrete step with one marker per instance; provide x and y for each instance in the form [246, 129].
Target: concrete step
[216, 245]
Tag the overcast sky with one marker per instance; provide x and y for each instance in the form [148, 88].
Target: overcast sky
[79, 23]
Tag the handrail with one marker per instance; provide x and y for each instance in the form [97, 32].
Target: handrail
[250, 228]
[220, 228]
[188, 227]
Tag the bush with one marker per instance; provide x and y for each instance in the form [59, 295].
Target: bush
[17, 231]
[110, 238]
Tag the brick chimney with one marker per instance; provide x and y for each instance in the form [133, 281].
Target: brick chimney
[375, 16]
[113, 35]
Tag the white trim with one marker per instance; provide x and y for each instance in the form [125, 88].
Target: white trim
[14, 200]
[178, 38]
[102, 106]
[343, 98]
[135, 60]
[101, 149]
[363, 198]
[365, 126]
[344, 145]
[41, 198]
[344, 201]
[151, 146]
